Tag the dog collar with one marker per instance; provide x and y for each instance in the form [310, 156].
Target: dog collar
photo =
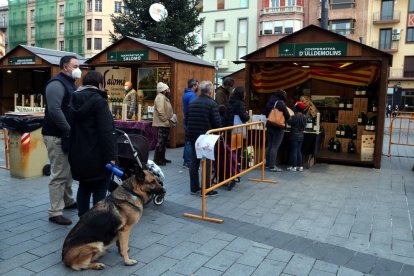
[133, 193]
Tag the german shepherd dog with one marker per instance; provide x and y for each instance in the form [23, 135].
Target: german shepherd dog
[110, 220]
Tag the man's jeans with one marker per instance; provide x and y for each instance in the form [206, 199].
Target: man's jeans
[97, 189]
[187, 154]
[60, 186]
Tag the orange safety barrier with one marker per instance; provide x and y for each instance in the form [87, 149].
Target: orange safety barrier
[401, 126]
[242, 146]
[6, 149]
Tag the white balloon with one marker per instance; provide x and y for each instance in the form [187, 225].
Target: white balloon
[157, 12]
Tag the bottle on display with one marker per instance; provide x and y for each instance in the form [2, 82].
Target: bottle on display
[309, 123]
[363, 92]
[351, 147]
[337, 146]
[348, 132]
[354, 132]
[357, 92]
[373, 106]
[371, 122]
[331, 144]
[361, 119]
[342, 129]
[341, 104]
[338, 131]
[349, 104]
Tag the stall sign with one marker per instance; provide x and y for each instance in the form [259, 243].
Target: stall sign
[29, 109]
[22, 60]
[334, 49]
[134, 55]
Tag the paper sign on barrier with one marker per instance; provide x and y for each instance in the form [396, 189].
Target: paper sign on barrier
[204, 146]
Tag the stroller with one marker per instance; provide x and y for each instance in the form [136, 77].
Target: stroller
[133, 150]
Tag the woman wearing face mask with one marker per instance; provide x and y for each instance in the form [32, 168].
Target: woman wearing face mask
[92, 143]
[163, 119]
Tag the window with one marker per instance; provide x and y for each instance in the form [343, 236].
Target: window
[98, 44]
[288, 26]
[98, 5]
[32, 15]
[410, 34]
[219, 53]
[32, 32]
[267, 27]
[80, 27]
[290, 3]
[411, 6]
[385, 39]
[61, 10]
[118, 6]
[242, 26]
[342, 27]
[61, 45]
[387, 10]
[70, 46]
[342, 4]
[89, 25]
[89, 44]
[220, 26]
[98, 24]
[275, 3]
[71, 29]
[80, 45]
[409, 67]
[278, 30]
[89, 5]
[244, 3]
[288, 30]
[242, 51]
[61, 28]
[220, 4]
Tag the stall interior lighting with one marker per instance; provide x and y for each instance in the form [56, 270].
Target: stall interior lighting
[9, 71]
[305, 66]
[345, 64]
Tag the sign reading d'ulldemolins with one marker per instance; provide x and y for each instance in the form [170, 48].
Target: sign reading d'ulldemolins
[334, 49]
[134, 55]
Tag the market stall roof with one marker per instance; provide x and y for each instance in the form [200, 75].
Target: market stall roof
[170, 51]
[51, 56]
[315, 32]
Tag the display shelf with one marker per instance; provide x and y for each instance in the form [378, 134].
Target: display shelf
[325, 155]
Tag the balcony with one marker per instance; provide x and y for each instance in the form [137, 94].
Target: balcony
[219, 37]
[45, 35]
[17, 22]
[45, 17]
[74, 13]
[3, 25]
[221, 63]
[379, 18]
[281, 10]
[386, 47]
[396, 73]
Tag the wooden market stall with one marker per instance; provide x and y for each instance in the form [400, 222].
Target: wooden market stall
[145, 63]
[24, 72]
[346, 81]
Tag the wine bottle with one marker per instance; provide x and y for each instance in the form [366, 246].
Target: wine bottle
[373, 106]
[341, 104]
[349, 104]
[354, 132]
[361, 119]
[331, 144]
[351, 147]
[357, 93]
[337, 146]
[342, 129]
[338, 131]
[368, 124]
[363, 92]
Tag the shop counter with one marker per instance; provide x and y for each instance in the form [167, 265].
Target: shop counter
[140, 127]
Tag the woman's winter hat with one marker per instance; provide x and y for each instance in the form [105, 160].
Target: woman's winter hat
[300, 105]
[161, 87]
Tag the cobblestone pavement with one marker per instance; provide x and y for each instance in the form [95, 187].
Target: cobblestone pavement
[329, 220]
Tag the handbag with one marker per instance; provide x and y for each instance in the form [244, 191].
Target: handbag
[276, 117]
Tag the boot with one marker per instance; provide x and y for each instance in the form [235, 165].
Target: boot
[163, 156]
[158, 158]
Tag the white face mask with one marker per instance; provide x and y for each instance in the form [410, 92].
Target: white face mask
[76, 73]
[126, 88]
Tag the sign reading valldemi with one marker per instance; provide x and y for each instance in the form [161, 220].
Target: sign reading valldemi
[134, 55]
[334, 49]
[22, 60]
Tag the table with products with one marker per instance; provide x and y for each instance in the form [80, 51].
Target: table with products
[139, 127]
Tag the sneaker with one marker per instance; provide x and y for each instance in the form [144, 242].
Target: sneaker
[299, 169]
[292, 169]
[186, 165]
[275, 169]
[195, 193]
[211, 193]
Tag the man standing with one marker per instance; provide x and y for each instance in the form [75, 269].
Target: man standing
[132, 99]
[190, 94]
[56, 131]
[223, 91]
[202, 115]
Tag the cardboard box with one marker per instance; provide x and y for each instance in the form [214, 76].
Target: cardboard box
[341, 117]
[344, 144]
[367, 154]
[357, 104]
[367, 141]
[364, 105]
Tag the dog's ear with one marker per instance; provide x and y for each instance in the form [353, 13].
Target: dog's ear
[139, 174]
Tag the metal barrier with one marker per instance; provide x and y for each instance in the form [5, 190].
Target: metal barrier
[401, 124]
[6, 149]
[242, 146]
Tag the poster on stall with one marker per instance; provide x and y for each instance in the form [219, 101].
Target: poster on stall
[114, 79]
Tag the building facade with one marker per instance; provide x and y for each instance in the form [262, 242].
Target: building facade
[230, 32]
[391, 29]
[80, 26]
[4, 14]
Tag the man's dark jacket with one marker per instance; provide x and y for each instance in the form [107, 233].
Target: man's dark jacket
[92, 141]
[202, 115]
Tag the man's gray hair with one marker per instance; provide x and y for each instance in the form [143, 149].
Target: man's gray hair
[205, 86]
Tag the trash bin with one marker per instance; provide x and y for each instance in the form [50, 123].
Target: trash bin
[28, 154]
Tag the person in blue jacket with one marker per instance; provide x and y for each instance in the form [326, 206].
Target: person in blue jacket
[190, 94]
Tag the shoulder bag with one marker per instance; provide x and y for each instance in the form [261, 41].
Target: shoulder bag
[276, 117]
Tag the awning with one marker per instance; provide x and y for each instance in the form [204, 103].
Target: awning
[267, 78]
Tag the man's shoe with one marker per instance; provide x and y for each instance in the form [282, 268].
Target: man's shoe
[60, 220]
[292, 169]
[161, 163]
[231, 185]
[195, 193]
[211, 193]
[167, 161]
[186, 165]
[275, 169]
[72, 206]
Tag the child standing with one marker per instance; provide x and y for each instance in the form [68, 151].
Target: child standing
[298, 124]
